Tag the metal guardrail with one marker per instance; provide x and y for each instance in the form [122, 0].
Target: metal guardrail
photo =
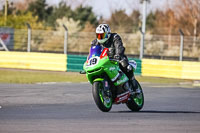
[171, 69]
[34, 61]
[61, 62]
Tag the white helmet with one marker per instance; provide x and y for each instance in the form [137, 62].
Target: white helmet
[103, 33]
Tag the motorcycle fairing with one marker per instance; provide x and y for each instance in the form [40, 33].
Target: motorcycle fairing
[98, 63]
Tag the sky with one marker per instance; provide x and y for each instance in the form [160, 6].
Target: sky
[106, 7]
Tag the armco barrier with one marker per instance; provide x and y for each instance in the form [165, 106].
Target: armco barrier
[191, 70]
[39, 61]
[75, 63]
[171, 69]
[161, 68]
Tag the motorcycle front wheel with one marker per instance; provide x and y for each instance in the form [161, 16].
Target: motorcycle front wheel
[136, 102]
[103, 102]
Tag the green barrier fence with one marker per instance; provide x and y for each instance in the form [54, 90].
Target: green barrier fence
[139, 66]
[75, 63]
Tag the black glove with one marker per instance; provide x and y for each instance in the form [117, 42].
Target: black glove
[124, 63]
[129, 68]
[117, 57]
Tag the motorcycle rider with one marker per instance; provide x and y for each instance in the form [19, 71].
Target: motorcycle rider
[114, 43]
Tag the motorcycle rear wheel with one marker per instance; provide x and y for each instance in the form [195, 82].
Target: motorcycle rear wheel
[136, 101]
[99, 97]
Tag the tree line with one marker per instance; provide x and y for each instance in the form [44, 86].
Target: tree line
[183, 14]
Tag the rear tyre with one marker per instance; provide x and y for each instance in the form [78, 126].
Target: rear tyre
[136, 101]
[103, 103]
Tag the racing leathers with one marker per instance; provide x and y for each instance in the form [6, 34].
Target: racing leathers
[116, 51]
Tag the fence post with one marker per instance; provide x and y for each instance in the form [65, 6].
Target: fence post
[181, 44]
[143, 29]
[142, 44]
[65, 39]
[29, 38]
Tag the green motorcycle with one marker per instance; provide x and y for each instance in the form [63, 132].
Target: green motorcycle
[109, 84]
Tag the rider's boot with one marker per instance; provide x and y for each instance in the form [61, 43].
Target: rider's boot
[128, 70]
[131, 77]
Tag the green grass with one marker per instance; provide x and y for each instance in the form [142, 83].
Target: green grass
[29, 77]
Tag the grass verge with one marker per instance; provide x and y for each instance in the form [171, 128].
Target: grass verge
[31, 76]
[28, 77]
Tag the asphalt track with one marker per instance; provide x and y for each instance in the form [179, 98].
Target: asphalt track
[69, 108]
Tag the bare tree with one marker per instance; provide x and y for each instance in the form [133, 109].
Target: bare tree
[75, 3]
[141, 1]
[22, 5]
[189, 11]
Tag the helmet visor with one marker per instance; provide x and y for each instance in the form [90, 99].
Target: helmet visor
[101, 36]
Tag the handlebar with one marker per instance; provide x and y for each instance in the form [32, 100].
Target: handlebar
[114, 60]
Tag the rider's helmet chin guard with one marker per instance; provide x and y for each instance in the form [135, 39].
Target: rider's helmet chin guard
[103, 33]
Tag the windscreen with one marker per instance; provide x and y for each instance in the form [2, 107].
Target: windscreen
[95, 51]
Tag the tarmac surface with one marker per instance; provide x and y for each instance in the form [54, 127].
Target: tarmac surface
[69, 108]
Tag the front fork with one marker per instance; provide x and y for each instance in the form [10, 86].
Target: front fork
[107, 88]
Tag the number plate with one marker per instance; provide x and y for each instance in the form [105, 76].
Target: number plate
[93, 61]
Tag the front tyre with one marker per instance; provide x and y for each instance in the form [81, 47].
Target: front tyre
[104, 103]
[136, 102]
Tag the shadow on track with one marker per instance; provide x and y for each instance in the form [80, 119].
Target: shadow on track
[160, 112]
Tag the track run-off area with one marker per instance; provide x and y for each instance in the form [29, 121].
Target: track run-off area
[70, 108]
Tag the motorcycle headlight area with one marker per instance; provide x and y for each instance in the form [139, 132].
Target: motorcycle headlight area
[93, 61]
